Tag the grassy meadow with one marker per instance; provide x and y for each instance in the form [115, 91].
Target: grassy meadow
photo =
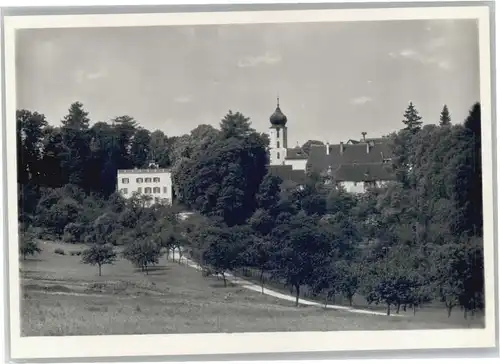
[61, 296]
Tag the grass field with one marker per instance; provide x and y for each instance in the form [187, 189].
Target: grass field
[61, 296]
[435, 311]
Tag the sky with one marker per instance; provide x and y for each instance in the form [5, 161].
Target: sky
[334, 80]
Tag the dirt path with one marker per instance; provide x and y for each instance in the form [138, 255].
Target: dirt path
[254, 287]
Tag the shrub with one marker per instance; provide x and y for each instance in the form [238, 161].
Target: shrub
[37, 232]
[59, 251]
[28, 245]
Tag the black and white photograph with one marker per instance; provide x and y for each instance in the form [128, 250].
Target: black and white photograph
[278, 174]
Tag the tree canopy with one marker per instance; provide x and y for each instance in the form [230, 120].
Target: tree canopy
[415, 240]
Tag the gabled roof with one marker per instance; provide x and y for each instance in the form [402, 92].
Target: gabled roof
[341, 154]
[287, 173]
[295, 153]
[144, 170]
[363, 173]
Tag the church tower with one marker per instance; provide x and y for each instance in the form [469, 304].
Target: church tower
[278, 141]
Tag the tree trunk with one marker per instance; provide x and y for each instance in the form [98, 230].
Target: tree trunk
[146, 268]
[350, 299]
[224, 278]
[297, 289]
[326, 299]
[449, 307]
[99, 269]
[388, 309]
[262, 280]
[398, 307]
[404, 307]
[414, 310]
[465, 313]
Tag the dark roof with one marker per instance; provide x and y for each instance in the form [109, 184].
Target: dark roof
[144, 170]
[352, 153]
[363, 173]
[287, 173]
[278, 118]
[350, 162]
[295, 153]
[352, 141]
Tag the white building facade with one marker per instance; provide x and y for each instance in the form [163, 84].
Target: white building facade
[297, 163]
[155, 182]
[361, 187]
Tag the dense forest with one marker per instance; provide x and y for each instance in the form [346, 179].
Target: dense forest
[415, 241]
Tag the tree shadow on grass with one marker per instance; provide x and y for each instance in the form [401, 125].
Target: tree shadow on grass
[220, 284]
[31, 260]
[155, 270]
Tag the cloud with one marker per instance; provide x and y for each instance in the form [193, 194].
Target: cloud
[82, 75]
[182, 99]
[361, 100]
[408, 53]
[266, 59]
[420, 57]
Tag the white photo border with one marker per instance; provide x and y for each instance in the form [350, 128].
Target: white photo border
[246, 343]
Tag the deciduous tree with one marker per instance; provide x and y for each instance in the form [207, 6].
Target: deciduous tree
[99, 254]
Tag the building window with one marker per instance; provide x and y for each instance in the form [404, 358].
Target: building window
[156, 179]
[165, 189]
[124, 191]
[139, 189]
[277, 133]
[278, 143]
[148, 180]
[156, 190]
[147, 190]
[278, 155]
[139, 180]
[125, 180]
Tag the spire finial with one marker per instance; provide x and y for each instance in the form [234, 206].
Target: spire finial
[278, 100]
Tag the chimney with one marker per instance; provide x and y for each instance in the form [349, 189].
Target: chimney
[327, 148]
[368, 148]
[341, 147]
[364, 136]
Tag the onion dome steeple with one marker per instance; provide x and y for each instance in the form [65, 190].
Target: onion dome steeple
[278, 118]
